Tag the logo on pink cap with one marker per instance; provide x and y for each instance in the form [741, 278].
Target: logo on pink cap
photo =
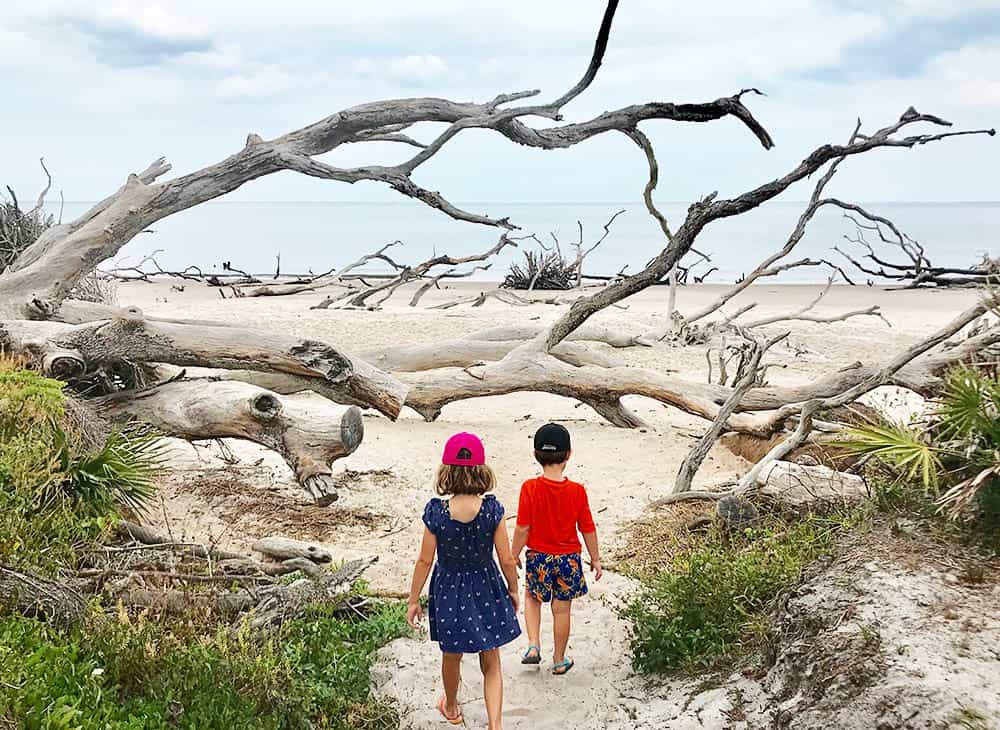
[464, 449]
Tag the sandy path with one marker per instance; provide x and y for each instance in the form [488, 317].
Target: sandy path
[588, 697]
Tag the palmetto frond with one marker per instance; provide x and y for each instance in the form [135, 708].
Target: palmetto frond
[905, 450]
[121, 472]
[969, 407]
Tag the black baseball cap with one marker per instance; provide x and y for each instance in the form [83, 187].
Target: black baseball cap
[552, 437]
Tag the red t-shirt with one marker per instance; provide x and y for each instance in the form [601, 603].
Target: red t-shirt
[554, 510]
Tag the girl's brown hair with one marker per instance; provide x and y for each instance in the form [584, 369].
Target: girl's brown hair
[452, 480]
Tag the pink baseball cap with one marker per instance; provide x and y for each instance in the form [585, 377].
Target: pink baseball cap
[464, 449]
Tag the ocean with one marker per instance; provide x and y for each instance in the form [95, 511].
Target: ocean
[317, 236]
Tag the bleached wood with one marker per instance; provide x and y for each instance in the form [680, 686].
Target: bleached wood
[309, 432]
[73, 350]
[284, 548]
[528, 369]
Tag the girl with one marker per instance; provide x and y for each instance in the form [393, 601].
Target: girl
[472, 609]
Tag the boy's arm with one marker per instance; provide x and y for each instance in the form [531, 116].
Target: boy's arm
[422, 569]
[524, 517]
[585, 523]
[520, 540]
[590, 540]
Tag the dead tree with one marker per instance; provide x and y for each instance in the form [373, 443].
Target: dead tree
[776, 263]
[36, 310]
[915, 269]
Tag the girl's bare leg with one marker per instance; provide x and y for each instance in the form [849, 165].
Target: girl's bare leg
[451, 673]
[533, 618]
[489, 662]
[560, 628]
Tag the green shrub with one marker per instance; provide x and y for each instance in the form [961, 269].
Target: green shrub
[715, 596]
[954, 455]
[56, 490]
[120, 675]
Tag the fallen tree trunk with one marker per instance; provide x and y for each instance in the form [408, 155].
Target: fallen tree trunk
[73, 352]
[798, 485]
[309, 432]
[526, 369]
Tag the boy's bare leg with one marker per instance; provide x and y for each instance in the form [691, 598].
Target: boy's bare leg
[533, 618]
[560, 628]
[489, 662]
[451, 674]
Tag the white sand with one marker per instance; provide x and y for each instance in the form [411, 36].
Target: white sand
[623, 469]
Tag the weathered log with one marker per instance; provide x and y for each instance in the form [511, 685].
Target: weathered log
[469, 351]
[589, 332]
[800, 486]
[148, 537]
[281, 603]
[284, 548]
[285, 567]
[32, 595]
[526, 369]
[71, 352]
[308, 431]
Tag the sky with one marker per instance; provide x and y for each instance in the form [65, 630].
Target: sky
[102, 88]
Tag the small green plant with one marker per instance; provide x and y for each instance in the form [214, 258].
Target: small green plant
[121, 674]
[954, 455]
[58, 490]
[714, 598]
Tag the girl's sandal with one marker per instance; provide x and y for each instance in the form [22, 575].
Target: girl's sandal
[562, 667]
[453, 719]
[532, 655]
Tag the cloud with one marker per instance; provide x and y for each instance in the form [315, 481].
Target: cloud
[185, 78]
[414, 70]
[143, 35]
[902, 49]
[265, 83]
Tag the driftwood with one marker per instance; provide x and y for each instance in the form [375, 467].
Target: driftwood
[774, 264]
[283, 548]
[692, 462]
[529, 369]
[801, 485]
[149, 538]
[309, 432]
[915, 269]
[72, 353]
[32, 595]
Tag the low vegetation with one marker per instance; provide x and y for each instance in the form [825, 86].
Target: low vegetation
[953, 454]
[65, 480]
[709, 597]
[712, 599]
[120, 674]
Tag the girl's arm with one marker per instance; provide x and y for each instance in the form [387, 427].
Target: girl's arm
[508, 565]
[425, 561]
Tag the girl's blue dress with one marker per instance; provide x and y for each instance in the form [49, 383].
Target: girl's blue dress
[469, 609]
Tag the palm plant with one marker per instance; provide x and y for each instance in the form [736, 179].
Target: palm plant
[121, 472]
[956, 449]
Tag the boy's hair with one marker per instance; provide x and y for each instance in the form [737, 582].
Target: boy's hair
[550, 458]
[452, 479]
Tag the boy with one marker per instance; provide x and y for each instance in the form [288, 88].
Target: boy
[550, 511]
